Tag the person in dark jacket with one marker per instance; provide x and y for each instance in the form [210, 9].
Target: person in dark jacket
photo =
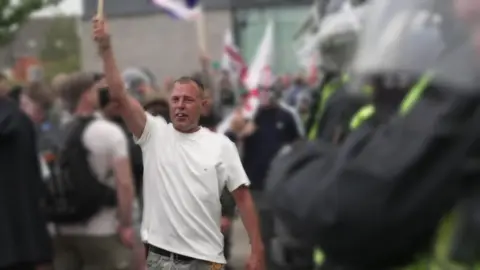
[25, 242]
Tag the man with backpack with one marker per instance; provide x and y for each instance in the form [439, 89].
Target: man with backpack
[91, 197]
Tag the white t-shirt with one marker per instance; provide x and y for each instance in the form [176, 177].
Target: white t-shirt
[106, 143]
[184, 175]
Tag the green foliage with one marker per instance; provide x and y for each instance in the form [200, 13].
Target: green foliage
[13, 13]
[61, 51]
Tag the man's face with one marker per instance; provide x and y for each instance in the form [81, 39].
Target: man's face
[266, 97]
[186, 105]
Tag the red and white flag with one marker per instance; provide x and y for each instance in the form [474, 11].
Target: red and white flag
[232, 59]
[258, 74]
[260, 70]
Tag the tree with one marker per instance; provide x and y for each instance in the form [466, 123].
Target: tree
[61, 51]
[13, 13]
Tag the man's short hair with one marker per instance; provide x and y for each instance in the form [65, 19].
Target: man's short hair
[188, 79]
[41, 94]
[75, 86]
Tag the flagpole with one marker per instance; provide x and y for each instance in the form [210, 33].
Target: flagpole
[202, 32]
[100, 5]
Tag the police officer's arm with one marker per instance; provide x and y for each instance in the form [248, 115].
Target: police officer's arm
[131, 111]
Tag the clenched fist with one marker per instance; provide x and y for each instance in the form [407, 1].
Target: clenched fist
[100, 34]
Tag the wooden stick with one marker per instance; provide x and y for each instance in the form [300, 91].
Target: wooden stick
[202, 33]
[100, 5]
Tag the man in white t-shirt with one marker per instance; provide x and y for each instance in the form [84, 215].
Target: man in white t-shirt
[187, 167]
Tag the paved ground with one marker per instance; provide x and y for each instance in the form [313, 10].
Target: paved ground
[241, 246]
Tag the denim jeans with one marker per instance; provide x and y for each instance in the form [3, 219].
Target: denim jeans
[159, 262]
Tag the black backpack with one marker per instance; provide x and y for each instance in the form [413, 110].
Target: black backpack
[75, 194]
[376, 201]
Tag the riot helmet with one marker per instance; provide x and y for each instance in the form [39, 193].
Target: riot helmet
[415, 38]
[338, 35]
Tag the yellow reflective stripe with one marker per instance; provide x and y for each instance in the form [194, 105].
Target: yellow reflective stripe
[444, 240]
[439, 260]
[441, 253]
[414, 94]
[361, 116]
[318, 257]
[327, 92]
[407, 104]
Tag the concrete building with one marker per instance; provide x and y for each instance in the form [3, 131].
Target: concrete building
[144, 36]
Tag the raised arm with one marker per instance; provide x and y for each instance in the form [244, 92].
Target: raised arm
[132, 112]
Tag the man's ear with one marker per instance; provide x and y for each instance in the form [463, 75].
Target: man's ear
[204, 102]
[203, 107]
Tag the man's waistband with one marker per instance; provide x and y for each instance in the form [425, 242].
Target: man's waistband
[166, 253]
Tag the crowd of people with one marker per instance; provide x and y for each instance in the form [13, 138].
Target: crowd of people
[74, 128]
[371, 167]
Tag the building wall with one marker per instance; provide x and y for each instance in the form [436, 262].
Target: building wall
[117, 8]
[166, 46]
[144, 36]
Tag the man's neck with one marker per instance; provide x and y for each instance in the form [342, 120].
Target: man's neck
[192, 130]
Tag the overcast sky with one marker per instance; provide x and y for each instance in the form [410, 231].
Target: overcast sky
[66, 7]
